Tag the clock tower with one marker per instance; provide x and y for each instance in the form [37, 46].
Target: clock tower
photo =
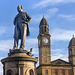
[44, 43]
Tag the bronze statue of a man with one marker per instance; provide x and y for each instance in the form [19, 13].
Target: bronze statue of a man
[21, 27]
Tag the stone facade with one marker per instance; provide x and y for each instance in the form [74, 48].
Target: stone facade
[59, 66]
[22, 68]
[19, 62]
[54, 70]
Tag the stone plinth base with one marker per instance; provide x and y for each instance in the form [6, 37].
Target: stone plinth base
[19, 62]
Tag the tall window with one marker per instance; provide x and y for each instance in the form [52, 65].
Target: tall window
[10, 72]
[46, 72]
[31, 72]
[70, 52]
[42, 29]
[45, 29]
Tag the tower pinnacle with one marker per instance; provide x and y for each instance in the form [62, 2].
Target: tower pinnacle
[43, 16]
[73, 36]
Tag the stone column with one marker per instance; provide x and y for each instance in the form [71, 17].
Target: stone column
[58, 72]
[3, 69]
[53, 72]
[61, 72]
[49, 72]
[19, 70]
[35, 70]
[43, 72]
[66, 72]
[23, 71]
[73, 70]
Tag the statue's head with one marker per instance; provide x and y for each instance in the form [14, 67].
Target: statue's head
[20, 8]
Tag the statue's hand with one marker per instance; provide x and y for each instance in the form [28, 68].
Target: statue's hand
[26, 22]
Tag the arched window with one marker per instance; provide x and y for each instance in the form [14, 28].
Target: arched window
[46, 72]
[10, 72]
[42, 30]
[31, 72]
[45, 29]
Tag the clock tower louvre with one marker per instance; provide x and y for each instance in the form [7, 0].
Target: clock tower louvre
[44, 42]
[43, 27]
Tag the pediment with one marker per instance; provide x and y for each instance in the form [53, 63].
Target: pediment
[60, 62]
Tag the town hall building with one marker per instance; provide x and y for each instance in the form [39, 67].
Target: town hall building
[59, 66]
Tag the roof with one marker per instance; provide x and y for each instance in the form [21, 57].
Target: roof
[43, 21]
[60, 62]
[72, 42]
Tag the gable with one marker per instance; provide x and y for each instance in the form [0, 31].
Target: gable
[60, 62]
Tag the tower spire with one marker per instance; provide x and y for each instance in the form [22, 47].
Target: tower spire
[43, 27]
[73, 36]
[43, 16]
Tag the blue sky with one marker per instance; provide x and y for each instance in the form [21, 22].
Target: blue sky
[60, 15]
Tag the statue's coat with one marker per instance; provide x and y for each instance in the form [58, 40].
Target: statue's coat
[20, 22]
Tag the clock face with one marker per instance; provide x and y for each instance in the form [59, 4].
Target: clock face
[45, 40]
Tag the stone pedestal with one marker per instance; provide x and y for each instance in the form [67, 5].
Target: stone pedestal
[19, 62]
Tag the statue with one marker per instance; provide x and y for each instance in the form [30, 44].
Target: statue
[21, 27]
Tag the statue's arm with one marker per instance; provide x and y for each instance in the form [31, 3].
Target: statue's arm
[29, 19]
[15, 19]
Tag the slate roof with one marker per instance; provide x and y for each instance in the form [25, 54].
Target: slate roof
[43, 21]
[60, 62]
[72, 42]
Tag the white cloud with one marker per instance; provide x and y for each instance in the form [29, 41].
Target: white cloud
[1, 69]
[69, 17]
[31, 42]
[59, 54]
[1, 66]
[37, 18]
[2, 30]
[60, 34]
[35, 51]
[52, 10]
[57, 50]
[49, 14]
[5, 45]
[45, 3]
